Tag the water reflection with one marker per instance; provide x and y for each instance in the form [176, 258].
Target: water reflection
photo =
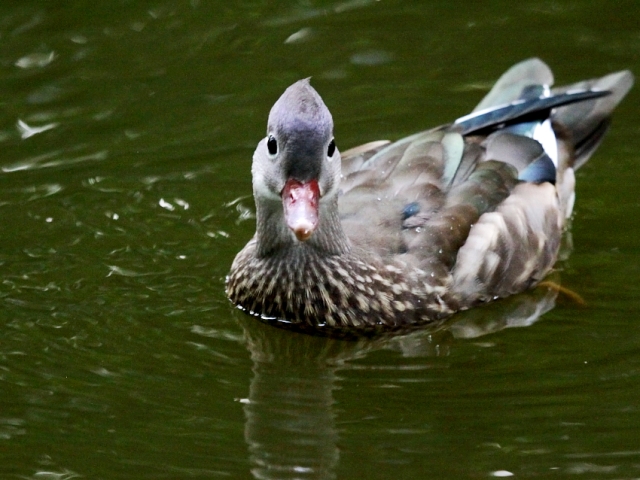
[290, 424]
[290, 428]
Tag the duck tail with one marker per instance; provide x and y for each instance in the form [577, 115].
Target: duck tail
[522, 102]
[585, 123]
[580, 112]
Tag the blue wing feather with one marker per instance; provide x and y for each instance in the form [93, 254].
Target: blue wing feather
[521, 111]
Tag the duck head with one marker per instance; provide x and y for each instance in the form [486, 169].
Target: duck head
[296, 167]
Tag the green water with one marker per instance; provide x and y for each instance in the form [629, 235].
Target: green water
[125, 194]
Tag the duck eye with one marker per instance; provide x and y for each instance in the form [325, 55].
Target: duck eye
[272, 145]
[332, 148]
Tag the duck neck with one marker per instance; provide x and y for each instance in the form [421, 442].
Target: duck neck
[274, 237]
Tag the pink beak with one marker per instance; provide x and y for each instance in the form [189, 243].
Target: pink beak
[300, 203]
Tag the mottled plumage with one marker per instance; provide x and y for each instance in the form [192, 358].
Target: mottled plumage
[408, 232]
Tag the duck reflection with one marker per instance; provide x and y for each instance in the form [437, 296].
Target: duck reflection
[290, 426]
[290, 417]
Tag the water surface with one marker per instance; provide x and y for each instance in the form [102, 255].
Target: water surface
[126, 134]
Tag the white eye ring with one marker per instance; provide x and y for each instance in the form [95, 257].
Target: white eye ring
[272, 145]
[331, 149]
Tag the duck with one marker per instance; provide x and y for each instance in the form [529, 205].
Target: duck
[394, 234]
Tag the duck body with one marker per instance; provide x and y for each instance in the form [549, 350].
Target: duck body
[392, 234]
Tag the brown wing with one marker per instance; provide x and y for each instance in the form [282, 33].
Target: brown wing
[454, 206]
[419, 197]
[511, 248]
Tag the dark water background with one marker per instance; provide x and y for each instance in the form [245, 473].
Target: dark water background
[126, 135]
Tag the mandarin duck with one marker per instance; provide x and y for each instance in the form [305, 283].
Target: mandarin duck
[404, 233]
